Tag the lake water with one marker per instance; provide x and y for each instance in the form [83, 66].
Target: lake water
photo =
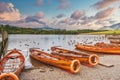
[45, 42]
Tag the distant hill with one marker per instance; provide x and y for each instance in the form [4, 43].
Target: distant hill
[112, 27]
[46, 28]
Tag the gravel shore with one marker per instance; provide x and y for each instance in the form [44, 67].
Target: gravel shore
[46, 72]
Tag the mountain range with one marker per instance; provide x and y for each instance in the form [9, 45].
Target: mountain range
[46, 28]
[112, 27]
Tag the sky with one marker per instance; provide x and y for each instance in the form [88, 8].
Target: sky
[60, 14]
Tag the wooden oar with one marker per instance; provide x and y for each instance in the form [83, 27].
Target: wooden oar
[106, 65]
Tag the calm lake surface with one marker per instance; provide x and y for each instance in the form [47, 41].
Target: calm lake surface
[24, 42]
[45, 42]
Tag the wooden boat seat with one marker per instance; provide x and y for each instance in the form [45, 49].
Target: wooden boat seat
[13, 61]
[12, 56]
[10, 67]
[8, 70]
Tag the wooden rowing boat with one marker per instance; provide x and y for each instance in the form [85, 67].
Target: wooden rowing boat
[117, 41]
[113, 36]
[114, 44]
[100, 48]
[70, 65]
[91, 60]
[11, 65]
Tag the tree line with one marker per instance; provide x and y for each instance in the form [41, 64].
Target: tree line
[18, 30]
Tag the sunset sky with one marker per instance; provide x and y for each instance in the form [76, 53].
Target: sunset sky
[62, 14]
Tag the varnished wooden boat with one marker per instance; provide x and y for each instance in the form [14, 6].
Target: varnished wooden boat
[115, 44]
[100, 48]
[11, 65]
[91, 60]
[70, 65]
[113, 36]
[117, 41]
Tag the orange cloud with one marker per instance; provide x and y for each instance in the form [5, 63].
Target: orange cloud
[8, 12]
[104, 3]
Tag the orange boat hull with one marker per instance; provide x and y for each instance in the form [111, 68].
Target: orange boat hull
[115, 41]
[83, 58]
[109, 49]
[70, 65]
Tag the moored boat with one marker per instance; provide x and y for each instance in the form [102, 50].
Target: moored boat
[91, 60]
[113, 36]
[117, 41]
[100, 48]
[70, 65]
[11, 65]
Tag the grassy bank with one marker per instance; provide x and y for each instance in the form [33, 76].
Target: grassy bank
[114, 32]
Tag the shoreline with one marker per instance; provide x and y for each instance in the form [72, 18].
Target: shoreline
[45, 72]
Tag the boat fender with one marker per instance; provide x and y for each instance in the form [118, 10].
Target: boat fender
[75, 66]
[94, 59]
[12, 75]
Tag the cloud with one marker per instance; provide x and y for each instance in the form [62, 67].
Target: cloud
[68, 21]
[28, 25]
[79, 20]
[5, 22]
[77, 14]
[104, 13]
[103, 16]
[104, 3]
[100, 19]
[102, 22]
[40, 15]
[8, 12]
[64, 4]
[36, 18]
[60, 16]
[39, 3]
[65, 21]
[87, 20]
